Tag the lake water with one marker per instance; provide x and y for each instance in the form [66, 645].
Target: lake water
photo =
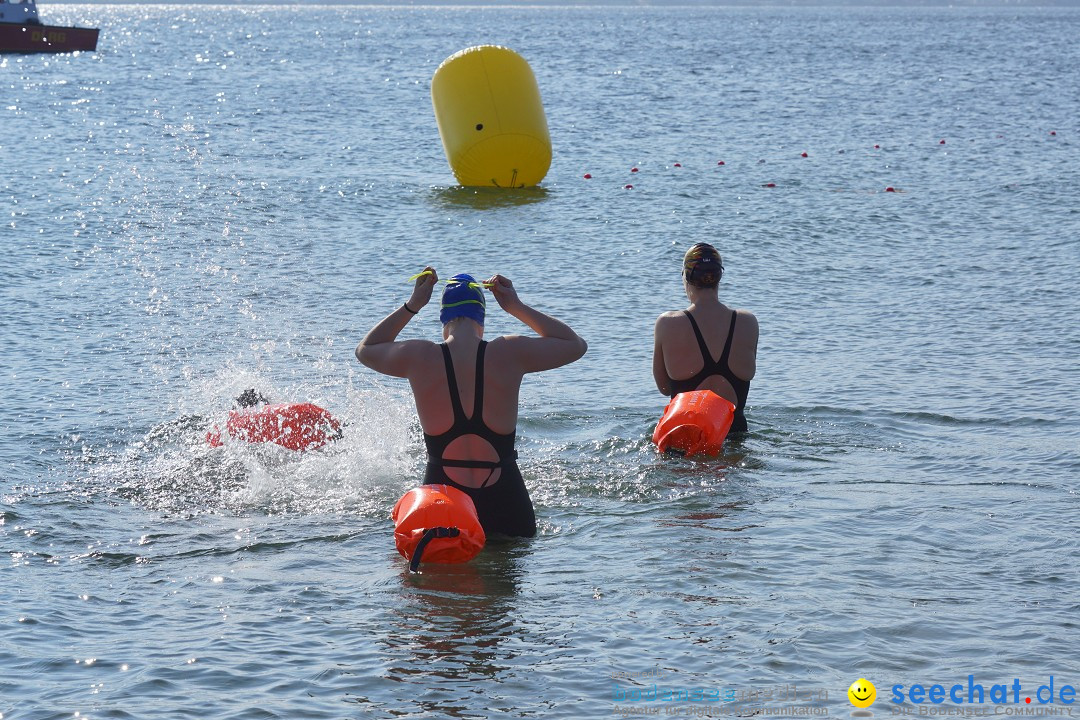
[230, 197]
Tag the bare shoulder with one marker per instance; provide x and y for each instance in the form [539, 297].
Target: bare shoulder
[516, 345]
[400, 359]
[502, 343]
[419, 357]
[418, 348]
[509, 347]
[526, 353]
[426, 348]
[667, 319]
[746, 324]
[747, 319]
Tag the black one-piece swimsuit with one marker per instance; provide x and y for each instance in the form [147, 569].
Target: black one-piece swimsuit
[716, 367]
[504, 506]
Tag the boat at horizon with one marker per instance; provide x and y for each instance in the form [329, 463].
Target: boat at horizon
[21, 31]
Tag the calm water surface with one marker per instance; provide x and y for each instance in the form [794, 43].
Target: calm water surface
[223, 198]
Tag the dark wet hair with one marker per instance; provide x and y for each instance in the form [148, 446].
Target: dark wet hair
[250, 398]
[702, 266]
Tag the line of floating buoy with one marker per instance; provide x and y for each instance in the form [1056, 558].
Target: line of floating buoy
[628, 186]
[634, 169]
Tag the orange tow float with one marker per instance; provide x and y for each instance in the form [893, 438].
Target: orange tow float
[694, 422]
[438, 524]
[296, 426]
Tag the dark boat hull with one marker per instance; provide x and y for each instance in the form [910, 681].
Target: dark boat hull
[24, 38]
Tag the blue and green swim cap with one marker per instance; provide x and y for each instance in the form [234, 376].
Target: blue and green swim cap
[462, 298]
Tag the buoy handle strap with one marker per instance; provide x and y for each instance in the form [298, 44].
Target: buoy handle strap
[435, 532]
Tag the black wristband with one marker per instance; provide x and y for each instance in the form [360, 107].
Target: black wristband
[408, 309]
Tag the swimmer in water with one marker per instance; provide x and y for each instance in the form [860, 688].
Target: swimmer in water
[314, 426]
[251, 398]
[687, 341]
[466, 389]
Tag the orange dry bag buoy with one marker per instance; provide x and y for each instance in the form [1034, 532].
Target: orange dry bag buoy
[437, 523]
[694, 422]
[296, 426]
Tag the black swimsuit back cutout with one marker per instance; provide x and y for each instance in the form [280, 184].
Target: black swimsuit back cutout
[437, 444]
[719, 367]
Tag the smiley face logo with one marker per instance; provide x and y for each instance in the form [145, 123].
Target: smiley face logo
[862, 693]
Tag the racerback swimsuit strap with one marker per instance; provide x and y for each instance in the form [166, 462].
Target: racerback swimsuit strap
[715, 367]
[451, 382]
[712, 367]
[469, 425]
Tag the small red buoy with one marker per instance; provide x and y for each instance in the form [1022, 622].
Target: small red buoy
[890, 189]
[633, 169]
[942, 142]
[678, 164]
[769, 185]
[1053, 132]
[877, 147]
[629, 187]
[721, 162]
[587, 176]
[805, 155]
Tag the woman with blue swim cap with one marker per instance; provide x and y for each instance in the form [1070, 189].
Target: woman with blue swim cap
[466, 389]
[687, 341]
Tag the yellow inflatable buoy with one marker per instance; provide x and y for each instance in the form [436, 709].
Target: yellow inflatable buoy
[491, 121]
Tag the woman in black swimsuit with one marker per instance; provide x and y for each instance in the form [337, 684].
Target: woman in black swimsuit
[708, 346]
[466, 389]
